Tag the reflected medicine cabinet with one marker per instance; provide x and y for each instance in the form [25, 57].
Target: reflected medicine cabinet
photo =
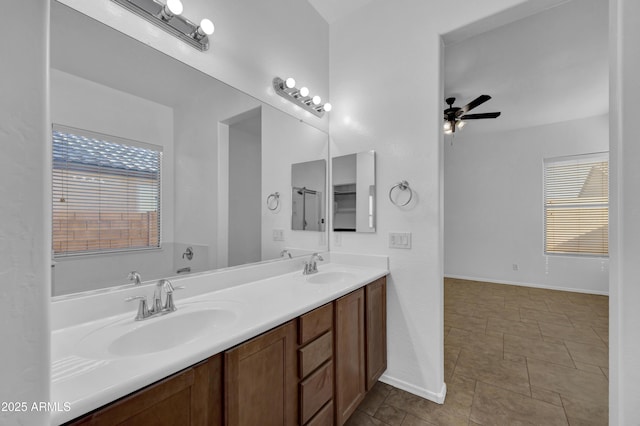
[354, 192]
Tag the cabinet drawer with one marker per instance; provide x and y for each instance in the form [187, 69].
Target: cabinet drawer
[315, 354]
[315, 391]
[315, 323]
[324, 417]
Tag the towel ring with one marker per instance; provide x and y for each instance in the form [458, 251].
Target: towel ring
[273, 201]
[402, 186]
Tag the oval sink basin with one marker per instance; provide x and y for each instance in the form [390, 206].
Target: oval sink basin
[133, 338]
[330, 277]
[169, 331]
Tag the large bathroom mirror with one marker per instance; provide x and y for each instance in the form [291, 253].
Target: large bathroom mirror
[223, 153]
[307, 195]
[354, 192]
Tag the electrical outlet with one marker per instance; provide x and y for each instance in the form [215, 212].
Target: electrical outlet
[400, 240]
[278, 235]
[515, 266]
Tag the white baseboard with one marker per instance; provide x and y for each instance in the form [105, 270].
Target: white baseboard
[421, 392]
[548, 287]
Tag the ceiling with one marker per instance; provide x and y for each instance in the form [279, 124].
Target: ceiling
[546, 68]
[332, 10]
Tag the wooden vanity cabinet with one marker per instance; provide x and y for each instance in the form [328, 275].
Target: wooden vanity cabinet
[360, 345]
[190, 397]
[349, 354]
[260, 384]
[315, 366]
[376, 332]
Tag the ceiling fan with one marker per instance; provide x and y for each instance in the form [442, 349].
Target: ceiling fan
[455, 117]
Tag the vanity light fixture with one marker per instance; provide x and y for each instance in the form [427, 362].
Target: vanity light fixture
[168, 17]
[287, 89]
[171, 9]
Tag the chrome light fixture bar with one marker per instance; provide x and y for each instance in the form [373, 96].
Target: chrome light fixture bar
[287, 89]
[167, 16]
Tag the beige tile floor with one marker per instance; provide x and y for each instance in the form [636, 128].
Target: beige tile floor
[513, 356]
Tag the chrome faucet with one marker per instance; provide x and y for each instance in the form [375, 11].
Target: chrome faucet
[135, 277]
[311, 265]
[157, 307]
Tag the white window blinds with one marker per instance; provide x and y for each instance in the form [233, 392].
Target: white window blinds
[106, 193]
[576, 205]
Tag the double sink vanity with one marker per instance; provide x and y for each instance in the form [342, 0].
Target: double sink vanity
[261, 344]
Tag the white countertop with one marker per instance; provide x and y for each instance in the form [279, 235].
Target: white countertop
[87, 377]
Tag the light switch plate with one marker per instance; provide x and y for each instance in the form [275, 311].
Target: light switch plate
[278, 235]
[400, 240]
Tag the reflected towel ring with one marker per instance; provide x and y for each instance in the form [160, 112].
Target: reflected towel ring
[273, 201]
[403, 186]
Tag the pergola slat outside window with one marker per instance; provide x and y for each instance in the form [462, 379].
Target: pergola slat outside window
[576, 205]
[106, 193]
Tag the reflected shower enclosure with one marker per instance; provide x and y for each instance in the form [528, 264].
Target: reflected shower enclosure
[307, 195]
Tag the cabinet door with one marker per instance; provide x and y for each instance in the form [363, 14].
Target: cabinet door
[349, 354]
[191, 397]
[376, 305]
[261, 380]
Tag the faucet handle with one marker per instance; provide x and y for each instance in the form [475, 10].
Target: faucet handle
[168, 287]
[135, 277]
[143, 310]
[169, 305]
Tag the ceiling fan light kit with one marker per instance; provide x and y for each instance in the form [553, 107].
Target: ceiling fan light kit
[455, 117]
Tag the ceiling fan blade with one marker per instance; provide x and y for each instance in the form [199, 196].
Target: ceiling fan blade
[479, 116]
[474, 103]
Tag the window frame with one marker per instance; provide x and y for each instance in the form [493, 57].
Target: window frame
[594, 157]
[121, 141]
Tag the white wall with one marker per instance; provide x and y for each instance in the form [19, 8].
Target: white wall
[286, 141]
[493, 205]
[245, 189]
[84, 104]
[199, 219]
[624, 242]
[344, 169]
[376, 55]
[25, 228]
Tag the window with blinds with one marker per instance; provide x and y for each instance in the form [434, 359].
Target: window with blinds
[106, 193]
[576, 205]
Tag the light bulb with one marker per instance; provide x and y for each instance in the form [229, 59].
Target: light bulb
[207, 27]
[316, 100]
[175, 7]
[304, 92]
[327, 107]
[448, 132]
[290, 83]
[447, 126]
[460, 124]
